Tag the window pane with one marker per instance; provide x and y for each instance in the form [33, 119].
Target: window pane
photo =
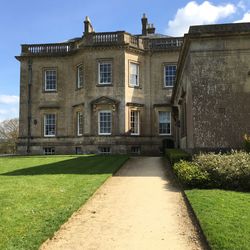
[104, 150]
[170, 75]
[79, 123]
[134, 74]
[105, 122]
[134, 122]
[50, 80]
[50, 125]
[105, 73]
[164, 122]
[49, 151]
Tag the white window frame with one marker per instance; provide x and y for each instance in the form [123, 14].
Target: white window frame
[137, 74]
[45, 124]
[137, 122]
[170, 122]
[79, 115]
[99, 72]
[99, 122]
[45, 80]
[165, 82]
[80, 79]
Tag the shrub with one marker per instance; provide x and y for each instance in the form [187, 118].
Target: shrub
[247, 142]
[175, 155]
[191, 175]
[226, 171]
[229, 171]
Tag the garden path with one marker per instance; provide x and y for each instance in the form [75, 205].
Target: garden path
[140, 207]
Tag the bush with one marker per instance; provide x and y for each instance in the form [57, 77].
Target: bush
[191, 175]
[229, 171]
[226, 171]
[175, 155]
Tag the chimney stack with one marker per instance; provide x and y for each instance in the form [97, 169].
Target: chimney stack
[88, 28]
[144, 22]
[151, 29]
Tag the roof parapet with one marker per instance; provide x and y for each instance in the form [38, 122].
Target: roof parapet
[219, 29]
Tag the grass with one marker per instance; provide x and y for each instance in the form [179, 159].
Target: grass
[38, 194]
[224, 217]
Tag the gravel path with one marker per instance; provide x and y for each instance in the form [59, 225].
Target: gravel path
[138, 208]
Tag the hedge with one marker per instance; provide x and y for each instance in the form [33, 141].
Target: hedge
[226, 171]
[175, 155]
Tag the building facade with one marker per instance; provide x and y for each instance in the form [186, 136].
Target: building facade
[114, 92]
[103, 92]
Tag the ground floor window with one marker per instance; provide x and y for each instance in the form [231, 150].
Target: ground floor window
[164, 123]
[105, 122]
[134, 122]
[49, 151]
[79, 123]
[135, 150]
[104, 150]
[49, 125]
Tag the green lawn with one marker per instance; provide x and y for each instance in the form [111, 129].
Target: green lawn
[38, 194]
[224, 217]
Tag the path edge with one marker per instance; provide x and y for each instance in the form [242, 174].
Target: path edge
[191, 211]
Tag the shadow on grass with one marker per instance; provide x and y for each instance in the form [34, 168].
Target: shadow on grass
[80, 165]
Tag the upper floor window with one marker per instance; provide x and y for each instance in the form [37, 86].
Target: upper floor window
[134, 122]
[133, 74]
[79, 123]
[79, 76]
[105, 122]
[105, 72]
[50, 80]
[49, 125]
[164, 123]
[169, 75]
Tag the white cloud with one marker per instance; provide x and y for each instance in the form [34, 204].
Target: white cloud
[8, 112]
[9, 99]
[245, 18]
[195, 14]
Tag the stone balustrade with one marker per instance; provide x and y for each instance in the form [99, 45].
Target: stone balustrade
[47, 49]
[103, 39]
[165, 43]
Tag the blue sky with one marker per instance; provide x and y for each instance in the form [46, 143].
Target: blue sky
[47, 21]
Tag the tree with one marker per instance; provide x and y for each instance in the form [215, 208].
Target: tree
[9, 135]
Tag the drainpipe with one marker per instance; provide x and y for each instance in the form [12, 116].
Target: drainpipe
[29, 103]
[151, 111]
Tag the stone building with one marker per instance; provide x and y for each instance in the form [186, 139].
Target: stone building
[111, 92]
[212, 92]
[106, 92]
